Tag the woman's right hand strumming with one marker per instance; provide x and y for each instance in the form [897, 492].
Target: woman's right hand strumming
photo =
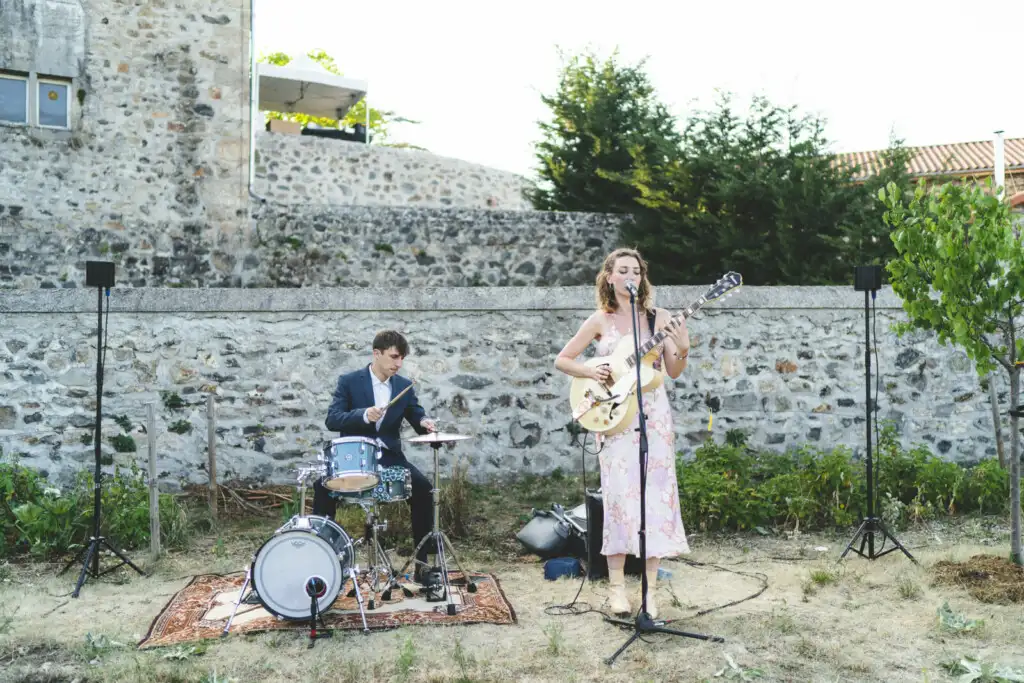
[601, 373]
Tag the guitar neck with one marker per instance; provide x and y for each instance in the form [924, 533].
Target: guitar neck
[660, 335]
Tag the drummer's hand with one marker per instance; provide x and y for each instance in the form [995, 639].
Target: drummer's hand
[428, 425]
[374, 414]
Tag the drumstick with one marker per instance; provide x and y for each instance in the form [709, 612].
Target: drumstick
[395, 399]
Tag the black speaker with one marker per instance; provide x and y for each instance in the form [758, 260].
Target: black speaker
[867, 278]
[597, 564]
[99, 274]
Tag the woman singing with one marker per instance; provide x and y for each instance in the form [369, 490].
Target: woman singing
[620, 466]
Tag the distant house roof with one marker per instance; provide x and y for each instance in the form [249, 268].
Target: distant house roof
[961, 158]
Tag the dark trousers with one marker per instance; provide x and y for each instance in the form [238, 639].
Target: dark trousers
[421, 503]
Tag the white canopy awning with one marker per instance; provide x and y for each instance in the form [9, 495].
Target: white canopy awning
[298, 90]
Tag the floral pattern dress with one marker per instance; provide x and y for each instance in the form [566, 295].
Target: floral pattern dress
[620, 474]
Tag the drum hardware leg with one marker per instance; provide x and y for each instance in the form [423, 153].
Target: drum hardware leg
[382, 563]
[353, 573]
[241, 594]
[470, 586]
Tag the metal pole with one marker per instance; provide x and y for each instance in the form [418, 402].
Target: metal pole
[999, 166]
[868, 409]
[211, 451]
[154, 492]
[254, 92]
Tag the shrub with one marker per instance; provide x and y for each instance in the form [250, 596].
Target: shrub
[45, 521]
[733, 487]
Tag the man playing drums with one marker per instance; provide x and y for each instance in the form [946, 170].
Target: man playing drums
[360, 408]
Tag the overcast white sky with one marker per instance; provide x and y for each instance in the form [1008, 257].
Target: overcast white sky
[473, 76]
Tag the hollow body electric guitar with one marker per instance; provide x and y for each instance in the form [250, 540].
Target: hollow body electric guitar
[609, 408]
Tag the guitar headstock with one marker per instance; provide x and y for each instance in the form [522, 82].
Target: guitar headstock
[725, 286]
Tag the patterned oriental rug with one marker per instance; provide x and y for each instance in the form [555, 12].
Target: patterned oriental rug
[201, 609]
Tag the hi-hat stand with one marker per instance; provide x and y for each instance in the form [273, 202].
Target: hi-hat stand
[643, 623]
[99, 274]
[379, 562]
[869, 280]
[439, 588]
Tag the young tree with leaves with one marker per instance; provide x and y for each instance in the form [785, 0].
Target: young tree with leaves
[380, 121]
[960, 274]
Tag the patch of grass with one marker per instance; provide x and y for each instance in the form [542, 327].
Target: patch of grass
[824, 577]
[556, 643]
[385, 248]
[6, 619]
[464, 661]
[782, 622]
[907, 588]
[406, 659]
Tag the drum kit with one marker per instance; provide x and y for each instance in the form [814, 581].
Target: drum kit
[301, 570]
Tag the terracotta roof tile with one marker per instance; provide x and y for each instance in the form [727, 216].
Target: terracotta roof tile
[962, 158]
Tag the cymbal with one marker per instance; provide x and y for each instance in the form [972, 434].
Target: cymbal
[438, 437]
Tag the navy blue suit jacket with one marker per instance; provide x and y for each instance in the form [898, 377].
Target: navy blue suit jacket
[354, 394]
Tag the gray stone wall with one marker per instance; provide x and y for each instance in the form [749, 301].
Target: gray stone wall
[295, 246]
[784, 364]
[318, 171]
[159, 140]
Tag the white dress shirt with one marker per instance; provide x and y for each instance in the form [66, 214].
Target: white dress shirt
[381, 396]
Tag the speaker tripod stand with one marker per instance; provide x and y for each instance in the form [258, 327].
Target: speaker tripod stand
[869, 279]
[438, 587]
[101, 275]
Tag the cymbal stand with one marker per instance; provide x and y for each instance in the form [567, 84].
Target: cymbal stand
[444, 546]
[304, 475]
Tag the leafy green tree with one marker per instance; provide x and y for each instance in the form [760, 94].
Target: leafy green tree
[758, 193]
[606, 122]
[755, 194]
[960, 274]
[868, 240]
[380, 121]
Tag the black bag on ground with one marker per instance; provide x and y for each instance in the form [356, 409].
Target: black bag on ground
[554, 533]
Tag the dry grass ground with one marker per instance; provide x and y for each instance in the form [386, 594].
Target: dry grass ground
[818, 619]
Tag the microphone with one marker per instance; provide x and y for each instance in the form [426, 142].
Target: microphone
[630, 287]
[316, 587]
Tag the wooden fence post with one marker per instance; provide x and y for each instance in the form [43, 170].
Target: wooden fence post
[154, 492]
[211, 451]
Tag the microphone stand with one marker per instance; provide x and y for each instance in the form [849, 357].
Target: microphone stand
[643, 622]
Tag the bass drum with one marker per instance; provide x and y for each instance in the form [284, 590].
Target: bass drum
[307, 555]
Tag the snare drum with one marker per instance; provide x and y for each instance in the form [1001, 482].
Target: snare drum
[395, 485]
[304, 549]
[351, 464]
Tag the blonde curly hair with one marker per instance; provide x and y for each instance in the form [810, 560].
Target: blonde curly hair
[606, 294]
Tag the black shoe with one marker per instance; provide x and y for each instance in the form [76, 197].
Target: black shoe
[428, 576]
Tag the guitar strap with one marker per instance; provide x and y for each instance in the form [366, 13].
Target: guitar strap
[650, 320]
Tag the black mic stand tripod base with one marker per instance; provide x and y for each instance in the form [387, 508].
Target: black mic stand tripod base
[102, 275]
[643, 622]
[869, 278]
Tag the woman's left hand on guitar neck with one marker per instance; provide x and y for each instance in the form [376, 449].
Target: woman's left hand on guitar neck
[677, 346]
[677, 341]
